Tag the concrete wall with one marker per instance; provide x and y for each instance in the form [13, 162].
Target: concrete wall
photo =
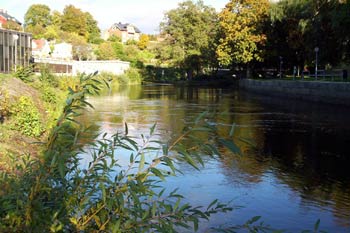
[115, 67]
[112, 66]
[320, 91]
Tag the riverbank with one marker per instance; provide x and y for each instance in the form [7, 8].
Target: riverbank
[316, 91]
[27, 112]
[31, 104]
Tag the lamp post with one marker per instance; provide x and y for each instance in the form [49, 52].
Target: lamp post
[15, 38]
[316, 63]
[281, 62]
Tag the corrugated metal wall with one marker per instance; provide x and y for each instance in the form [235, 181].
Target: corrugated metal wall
[15, 50]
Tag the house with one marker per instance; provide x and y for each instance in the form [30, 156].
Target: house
[41, 48]
[124, 31]
[5, 17]
[63, 51]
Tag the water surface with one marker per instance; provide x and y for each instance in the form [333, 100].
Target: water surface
[298, 171]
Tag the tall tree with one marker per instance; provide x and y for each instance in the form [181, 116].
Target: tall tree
[190, 28]
[93, 31]
[38, 14]
[36, 19]
[242, 36]
[74, 20]
[340, 24]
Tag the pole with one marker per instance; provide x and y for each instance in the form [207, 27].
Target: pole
[316, 63]
[15, 38]
[281, 62]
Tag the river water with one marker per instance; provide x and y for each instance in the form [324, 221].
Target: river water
[297, 172]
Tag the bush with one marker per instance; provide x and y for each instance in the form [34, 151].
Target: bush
[46, 76]
[66, 82]
[4, 105]
[26, 117]
[133, 75]
[24, 73]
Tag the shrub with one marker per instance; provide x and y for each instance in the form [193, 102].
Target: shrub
[26, 117]
[47, 76]
[66, 82]
[48, 95]
[4, 105]
[24, 73]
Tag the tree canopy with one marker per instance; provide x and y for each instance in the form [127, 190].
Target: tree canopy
[74, 20]
[242, 36]
[37, 19]
[189, 29]
[42, 23]
[38, 14]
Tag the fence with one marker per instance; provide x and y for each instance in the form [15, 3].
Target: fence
[15, 49]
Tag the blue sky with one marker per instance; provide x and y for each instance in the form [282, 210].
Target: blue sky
[145, 14]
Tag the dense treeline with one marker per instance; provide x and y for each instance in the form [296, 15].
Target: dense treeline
[81, 30]
[245, 35]
[258, 34]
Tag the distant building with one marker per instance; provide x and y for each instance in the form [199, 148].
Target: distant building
[41, 48]
[63, 51]
[5, 17]
[124, 31]
[15, 50]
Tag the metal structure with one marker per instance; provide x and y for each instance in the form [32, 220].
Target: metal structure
[15, 50]
[316, 63]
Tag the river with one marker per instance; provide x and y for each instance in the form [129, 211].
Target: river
[298, 171]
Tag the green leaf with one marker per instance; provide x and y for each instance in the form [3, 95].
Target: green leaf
[253, 220]
[212, 204]
[230, 145]
[153, 128]
[126, 128]
[157, 173]
[165, 148]
[196, 121]
[103, 190]
[317, 224]
[232, 131]
[142, 162]
[195, 224]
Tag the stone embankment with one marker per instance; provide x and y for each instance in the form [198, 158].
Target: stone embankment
[318, 91]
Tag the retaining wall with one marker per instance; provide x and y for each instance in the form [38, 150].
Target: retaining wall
[115, 67]
[318, 91]
[75, 67]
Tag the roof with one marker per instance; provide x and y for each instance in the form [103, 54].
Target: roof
[38, 44]
[123, 27]
[8, 17]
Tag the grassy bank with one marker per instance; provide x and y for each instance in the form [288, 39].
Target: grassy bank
[30, 105]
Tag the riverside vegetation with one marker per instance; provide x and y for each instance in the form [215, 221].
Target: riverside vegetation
[30, 105]
[53, 192]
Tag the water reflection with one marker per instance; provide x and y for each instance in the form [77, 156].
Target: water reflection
[296, 172]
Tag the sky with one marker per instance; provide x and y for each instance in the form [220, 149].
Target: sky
[144, 14]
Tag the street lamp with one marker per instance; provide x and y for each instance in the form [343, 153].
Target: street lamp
[281, 62]
[15, 38]
[316, 51]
